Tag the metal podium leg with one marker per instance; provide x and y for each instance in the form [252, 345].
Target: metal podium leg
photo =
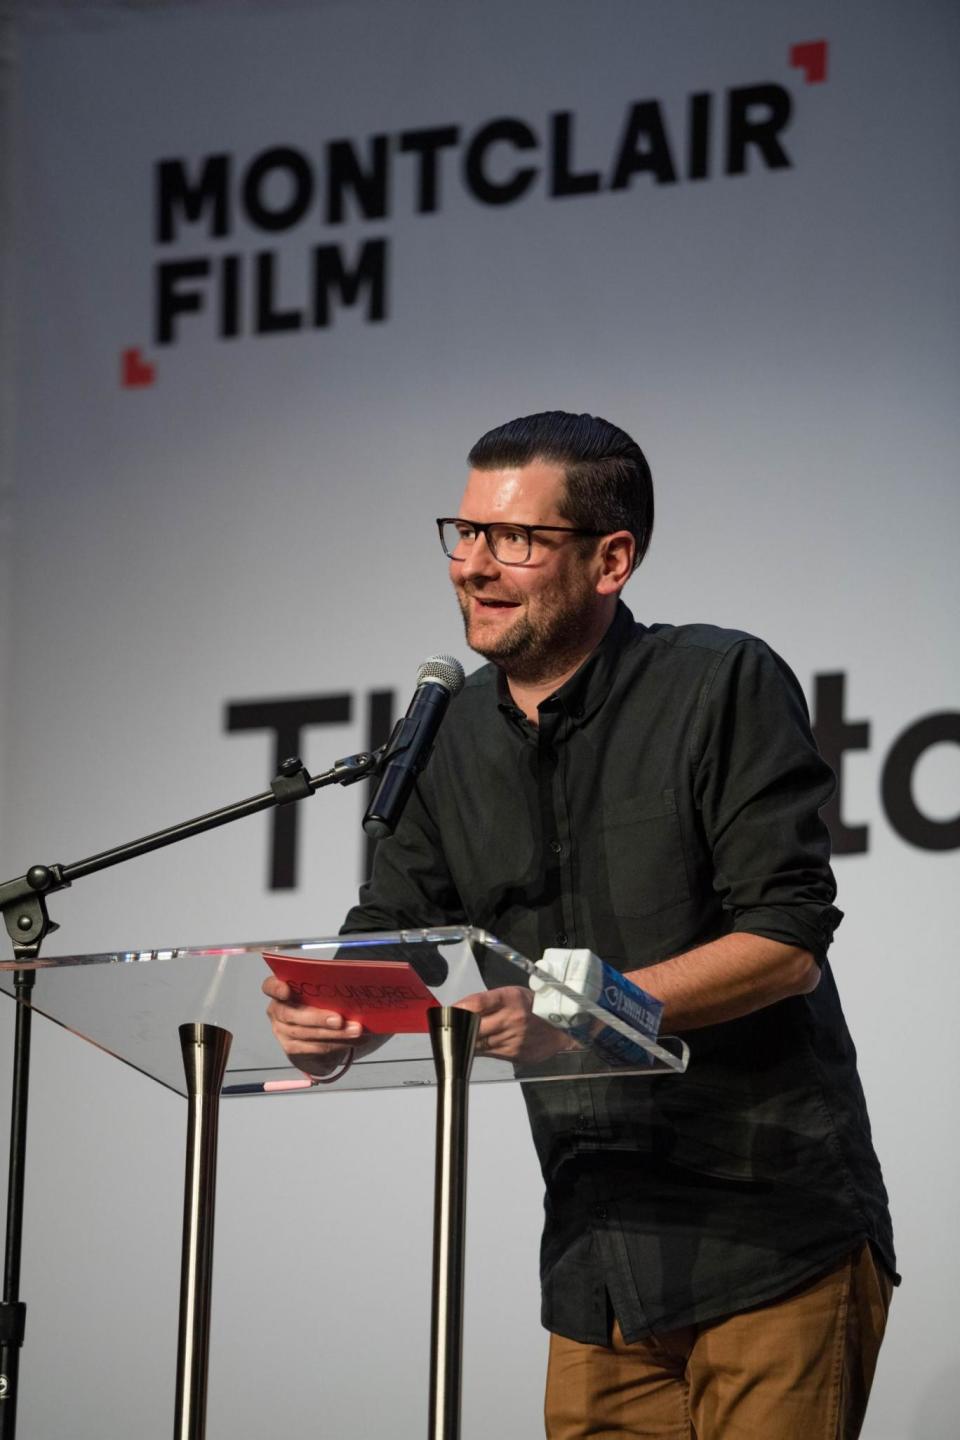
[453, 1036]
[205, 1050]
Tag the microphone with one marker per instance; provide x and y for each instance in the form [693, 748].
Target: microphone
[438, 680]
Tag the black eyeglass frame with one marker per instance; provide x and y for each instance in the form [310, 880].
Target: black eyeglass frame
[484, 528]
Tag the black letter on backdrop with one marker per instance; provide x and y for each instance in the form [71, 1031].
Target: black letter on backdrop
[230, 273]
[742, 131]
[698, 145]
[172, 189]
[270, 320]
[278, 217]
[564, 181]
[426, 144]
[835, 736]
[330, 272]
[896, 785]
[345, 172]
[490, 192]
[170, 301]
[287, 719]
[644, 123]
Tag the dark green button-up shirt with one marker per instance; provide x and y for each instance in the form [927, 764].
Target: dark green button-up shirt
[668, 796]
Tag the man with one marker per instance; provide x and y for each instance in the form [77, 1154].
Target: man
[717, 1254]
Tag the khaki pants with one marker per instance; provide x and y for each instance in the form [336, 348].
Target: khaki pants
[799, 1368]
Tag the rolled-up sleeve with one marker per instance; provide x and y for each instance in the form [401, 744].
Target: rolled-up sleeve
[760, 783]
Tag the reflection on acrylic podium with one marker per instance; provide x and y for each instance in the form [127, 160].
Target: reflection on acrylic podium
[194, 1020]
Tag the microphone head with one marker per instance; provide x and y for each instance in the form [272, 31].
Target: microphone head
[442, 670]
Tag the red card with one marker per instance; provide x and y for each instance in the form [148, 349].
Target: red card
[387, 997]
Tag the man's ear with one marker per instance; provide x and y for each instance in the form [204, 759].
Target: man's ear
[616, 562]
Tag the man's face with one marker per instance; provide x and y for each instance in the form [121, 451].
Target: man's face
[529, 619]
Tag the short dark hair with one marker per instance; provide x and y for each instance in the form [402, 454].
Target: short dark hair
[608, 481]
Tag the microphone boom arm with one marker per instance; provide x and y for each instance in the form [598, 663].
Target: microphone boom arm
[23, 900]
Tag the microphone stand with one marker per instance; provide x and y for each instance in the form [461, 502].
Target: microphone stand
[24, 909]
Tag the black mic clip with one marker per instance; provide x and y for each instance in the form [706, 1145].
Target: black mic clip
[292, 782]
[364, 766]
[402, 737]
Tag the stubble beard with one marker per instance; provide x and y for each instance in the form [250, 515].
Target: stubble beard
[535, 650]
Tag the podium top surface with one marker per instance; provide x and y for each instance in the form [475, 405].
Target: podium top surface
[132, 1003]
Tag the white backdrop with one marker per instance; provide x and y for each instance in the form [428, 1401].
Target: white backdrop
[256, 523]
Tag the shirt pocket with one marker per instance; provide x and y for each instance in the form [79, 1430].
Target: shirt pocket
[641, 855]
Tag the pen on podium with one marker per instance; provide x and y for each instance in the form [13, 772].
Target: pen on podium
[269, 1087]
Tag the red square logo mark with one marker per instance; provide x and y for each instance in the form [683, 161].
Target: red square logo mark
[811, 57]
[135, 372]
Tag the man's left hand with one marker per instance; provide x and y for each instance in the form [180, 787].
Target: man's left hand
[508, 1029]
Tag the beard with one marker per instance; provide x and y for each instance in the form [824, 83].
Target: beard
[535, 647]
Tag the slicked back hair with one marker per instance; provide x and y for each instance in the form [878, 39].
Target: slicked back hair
[608, 482]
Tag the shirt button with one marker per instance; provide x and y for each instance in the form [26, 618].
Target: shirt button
[556, 847]
[561, 937]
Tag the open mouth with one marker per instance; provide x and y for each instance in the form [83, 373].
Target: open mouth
[495, 604]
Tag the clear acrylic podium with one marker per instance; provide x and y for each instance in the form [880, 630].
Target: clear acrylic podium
[194, 1020]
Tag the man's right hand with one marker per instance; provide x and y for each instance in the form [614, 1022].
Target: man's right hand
[316, 1041]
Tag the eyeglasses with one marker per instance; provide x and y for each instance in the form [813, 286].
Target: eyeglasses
[510, 544]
